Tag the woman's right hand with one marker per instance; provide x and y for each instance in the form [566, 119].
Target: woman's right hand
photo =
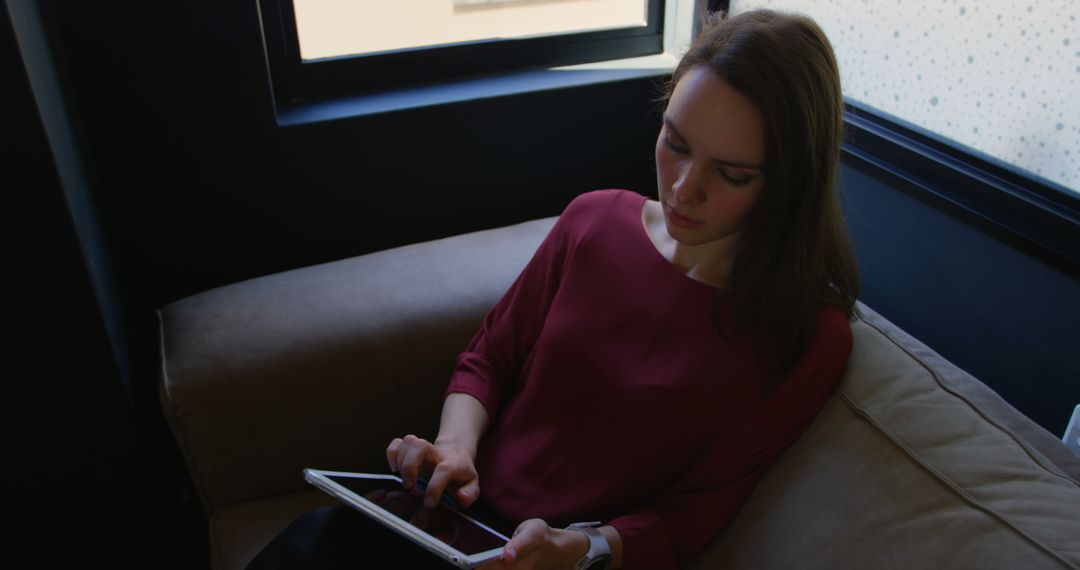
[451, 467]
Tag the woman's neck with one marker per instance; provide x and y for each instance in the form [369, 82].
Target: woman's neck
[709, 262]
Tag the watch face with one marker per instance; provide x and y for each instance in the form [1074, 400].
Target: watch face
[601, 562]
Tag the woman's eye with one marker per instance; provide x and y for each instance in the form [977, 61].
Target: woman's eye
[735, 181]
[673, 146]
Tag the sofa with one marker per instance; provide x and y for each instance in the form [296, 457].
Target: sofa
[911, 464]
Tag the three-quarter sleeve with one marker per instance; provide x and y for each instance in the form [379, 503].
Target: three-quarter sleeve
[489, 366]
[676, 527]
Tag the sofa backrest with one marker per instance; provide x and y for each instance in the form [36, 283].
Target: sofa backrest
[322, 366]
[912, 464]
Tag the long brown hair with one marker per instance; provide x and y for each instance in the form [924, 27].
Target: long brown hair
[793, 256]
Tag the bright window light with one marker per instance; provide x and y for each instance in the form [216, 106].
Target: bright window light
[337, 28]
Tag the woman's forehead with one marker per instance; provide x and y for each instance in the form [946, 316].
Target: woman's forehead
[715, 119]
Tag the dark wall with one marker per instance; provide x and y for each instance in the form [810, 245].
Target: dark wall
[996, 306]
[203, 189]
[79, 473]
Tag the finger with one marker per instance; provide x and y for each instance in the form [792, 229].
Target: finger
[528, 537]
[392, 453]
[399, 453]
[414, 458]
[440, 478]
[406, 444]
[469, 493]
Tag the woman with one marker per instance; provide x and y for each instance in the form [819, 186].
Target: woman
[655, 357]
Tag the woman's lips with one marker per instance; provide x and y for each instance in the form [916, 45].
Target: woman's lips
[680, 220]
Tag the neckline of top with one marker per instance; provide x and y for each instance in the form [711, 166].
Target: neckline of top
[644, 233]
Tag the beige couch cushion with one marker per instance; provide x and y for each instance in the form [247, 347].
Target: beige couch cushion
[907, 468]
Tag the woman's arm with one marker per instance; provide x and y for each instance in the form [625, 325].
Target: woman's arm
[464, 420]
[678, 525]
[483, 376]
[451, 459]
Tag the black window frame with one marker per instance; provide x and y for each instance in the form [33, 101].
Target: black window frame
[1009, 202]
[296, 81]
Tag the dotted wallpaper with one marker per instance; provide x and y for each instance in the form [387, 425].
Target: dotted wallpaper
[1001, 77]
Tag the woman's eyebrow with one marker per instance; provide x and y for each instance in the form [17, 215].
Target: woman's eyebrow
[736, 163]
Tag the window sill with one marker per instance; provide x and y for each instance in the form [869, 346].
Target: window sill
[473, 89]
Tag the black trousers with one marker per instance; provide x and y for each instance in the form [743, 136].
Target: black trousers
[341, 537]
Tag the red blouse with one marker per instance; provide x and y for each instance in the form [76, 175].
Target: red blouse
[612, 396]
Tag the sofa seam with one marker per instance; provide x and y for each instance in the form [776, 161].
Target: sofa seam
[862, 412]
[937, 379]
[174, 420]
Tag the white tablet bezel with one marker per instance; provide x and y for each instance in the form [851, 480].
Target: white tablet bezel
[320, 479]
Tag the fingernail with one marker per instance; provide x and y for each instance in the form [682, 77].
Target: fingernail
[512, 553]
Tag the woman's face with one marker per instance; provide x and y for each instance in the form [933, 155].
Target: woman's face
[709, 159]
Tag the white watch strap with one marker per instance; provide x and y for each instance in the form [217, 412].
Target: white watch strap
[598, 545]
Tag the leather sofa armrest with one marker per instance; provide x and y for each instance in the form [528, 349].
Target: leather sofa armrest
[322, 366]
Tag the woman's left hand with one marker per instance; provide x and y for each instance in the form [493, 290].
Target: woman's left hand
[537, 546]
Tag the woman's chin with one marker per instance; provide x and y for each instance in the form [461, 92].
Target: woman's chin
[697, 237]
[686, 237]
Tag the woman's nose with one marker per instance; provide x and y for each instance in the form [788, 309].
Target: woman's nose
[687, 188]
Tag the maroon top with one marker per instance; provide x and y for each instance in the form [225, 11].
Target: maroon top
[612, 396]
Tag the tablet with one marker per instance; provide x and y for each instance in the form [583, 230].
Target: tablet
[444, 530]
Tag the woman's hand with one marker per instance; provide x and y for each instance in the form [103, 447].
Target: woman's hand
[536, 546]
[450, 465]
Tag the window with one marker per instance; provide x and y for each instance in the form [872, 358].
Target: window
[999, 77]
[325, 48]
[978, 100]
[328, 29]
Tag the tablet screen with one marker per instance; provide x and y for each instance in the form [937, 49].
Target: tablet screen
[443, 523]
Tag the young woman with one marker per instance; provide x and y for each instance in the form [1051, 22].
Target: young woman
[656, 356]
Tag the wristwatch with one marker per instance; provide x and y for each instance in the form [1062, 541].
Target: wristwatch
[599, 555]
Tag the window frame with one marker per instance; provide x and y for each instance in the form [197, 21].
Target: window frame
[295, 81]
[1009, 202]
